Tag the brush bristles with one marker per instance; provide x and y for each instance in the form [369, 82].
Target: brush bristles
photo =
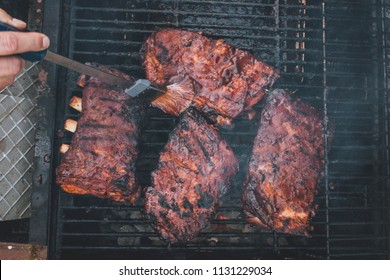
[177, 98]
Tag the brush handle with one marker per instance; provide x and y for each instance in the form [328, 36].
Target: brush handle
[30, 56]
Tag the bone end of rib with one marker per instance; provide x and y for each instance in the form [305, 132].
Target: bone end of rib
[64, 148]
[70, 125]
[76, 103]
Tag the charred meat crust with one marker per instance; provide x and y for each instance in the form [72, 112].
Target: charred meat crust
[223, 81]
[195, 170]
[285, 167]
[101, 158]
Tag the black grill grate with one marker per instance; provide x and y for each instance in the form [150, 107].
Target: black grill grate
[330, 52]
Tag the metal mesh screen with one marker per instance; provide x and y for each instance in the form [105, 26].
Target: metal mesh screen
[17, 135]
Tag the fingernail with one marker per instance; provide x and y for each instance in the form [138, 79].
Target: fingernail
[18, 22]
[46, 42]
[23, 64]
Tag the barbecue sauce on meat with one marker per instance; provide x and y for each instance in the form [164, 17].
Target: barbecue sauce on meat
[195, 170]
[285, 167]
[217, 79]
[101, 158]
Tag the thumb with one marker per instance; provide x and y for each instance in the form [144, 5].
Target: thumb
[7, 19]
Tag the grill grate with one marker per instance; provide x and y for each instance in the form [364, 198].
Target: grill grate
[328, 52]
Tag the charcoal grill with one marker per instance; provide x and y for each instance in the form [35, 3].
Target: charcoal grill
[333, 54]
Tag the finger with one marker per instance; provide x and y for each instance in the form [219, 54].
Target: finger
[11, 66]
[20, 42]
[6, 81]
[14, 22]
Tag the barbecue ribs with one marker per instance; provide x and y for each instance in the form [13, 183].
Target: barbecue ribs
[217, 79]
[101, 158]
[285, 166]
[195, 169]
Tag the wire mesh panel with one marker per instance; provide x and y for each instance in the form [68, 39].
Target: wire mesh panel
[326, 52]
[17, 119]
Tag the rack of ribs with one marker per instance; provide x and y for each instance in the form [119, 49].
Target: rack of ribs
[195, 170]
[101, 157]
[210, 75]
[285, 167]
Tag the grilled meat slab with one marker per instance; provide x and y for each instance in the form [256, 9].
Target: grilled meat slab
[219, 80]
[101, 158]
[285, 166]
[195, 170]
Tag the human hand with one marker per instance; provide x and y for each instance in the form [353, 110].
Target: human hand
[12, 43]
